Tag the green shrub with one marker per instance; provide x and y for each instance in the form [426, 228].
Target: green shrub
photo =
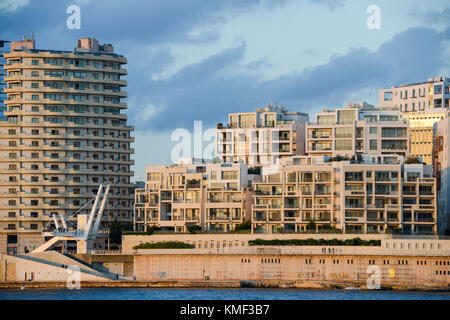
[314, 242]
[164, 245]
[246, 225]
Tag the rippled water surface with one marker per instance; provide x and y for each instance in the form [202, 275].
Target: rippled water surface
[213, 294]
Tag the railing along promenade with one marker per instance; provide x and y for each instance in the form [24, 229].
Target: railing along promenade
[302, 250]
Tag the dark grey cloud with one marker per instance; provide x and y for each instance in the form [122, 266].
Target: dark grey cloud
[206, 91]
[413, 55]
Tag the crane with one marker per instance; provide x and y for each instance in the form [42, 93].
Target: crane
[86, 228]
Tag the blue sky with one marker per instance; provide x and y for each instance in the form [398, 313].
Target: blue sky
[200, 60]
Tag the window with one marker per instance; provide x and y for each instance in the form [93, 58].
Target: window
[76, 74]
[34, 109]
[388, 96]
[373, 144]
[35, 85]
[229, 175]
[11, 238]
[373, 130]
[346, 116]
[54, 73]
[344, 145]
[344, 132]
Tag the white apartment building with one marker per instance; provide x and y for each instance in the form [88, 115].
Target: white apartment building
[370, 196]
[431, 96]
[423, 104]
[213, 196]
[357, 129]
[260, 137]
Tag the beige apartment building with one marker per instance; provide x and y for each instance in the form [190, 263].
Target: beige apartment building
[376, 195]
[260, 137]
[423, 104]
[66, 132]
[442, 171]
[213, 196]
[358, 129]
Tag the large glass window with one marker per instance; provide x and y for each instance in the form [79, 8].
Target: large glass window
[326, 119]
[344, 132]
[344, 145]
[346, 116]
[229, 175]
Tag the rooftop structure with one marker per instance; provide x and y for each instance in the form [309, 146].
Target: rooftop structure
[423, 104]
[260, 137]
[357, 129]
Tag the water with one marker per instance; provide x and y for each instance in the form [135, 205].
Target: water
[213, 294]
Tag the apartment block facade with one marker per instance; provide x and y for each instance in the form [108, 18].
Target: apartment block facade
[357, 129]
[211, 196]
[260, 137]
[66, 132]
[442, 171]
[423, 104]
[365, 197]
[4, 47]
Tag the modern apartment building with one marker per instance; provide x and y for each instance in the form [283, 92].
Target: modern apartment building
[260, 137]
[423, 104]
[4, 47]
[442, 171]
[66, 132]
[358, 129]
[370, 196]
[212, 196]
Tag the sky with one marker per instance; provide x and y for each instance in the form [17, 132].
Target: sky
[198, 60]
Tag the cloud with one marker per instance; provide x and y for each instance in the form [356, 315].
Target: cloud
[433, 17]
[12, 5]
[150, 110]
[209, 90]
